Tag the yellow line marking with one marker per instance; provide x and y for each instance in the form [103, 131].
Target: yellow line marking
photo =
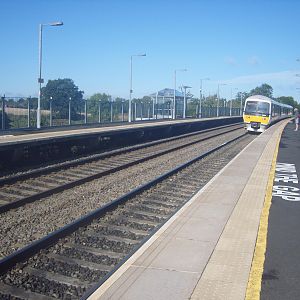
[257, 267]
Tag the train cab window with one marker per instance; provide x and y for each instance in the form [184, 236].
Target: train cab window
[263, 108]
[250, 107]
[257, 108]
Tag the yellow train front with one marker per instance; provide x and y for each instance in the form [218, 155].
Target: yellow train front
[260, 112]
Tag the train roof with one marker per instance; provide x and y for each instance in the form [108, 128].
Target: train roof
[264, 98]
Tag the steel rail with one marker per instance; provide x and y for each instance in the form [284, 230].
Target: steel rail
[45, 242]
[77, 162]
[69, 185]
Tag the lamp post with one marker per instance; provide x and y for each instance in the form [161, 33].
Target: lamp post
[200, 102]
[40, 79]
[219, 97]
[174, 100]
[130, 93]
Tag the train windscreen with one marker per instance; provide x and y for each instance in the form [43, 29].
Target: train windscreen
[257, 108]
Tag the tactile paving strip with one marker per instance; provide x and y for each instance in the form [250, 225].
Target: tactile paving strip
[227, 272]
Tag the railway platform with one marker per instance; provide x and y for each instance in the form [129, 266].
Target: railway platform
[62, 143]
[51, 133]
[214, 246]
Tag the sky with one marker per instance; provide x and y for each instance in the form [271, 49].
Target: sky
[238, 45]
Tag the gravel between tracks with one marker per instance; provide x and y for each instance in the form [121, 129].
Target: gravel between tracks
[23, 225]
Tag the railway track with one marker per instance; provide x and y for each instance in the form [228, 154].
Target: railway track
[74, 260]
[20, 189]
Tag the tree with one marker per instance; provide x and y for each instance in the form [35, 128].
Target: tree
[193, 107]
[264, 90]
[93, 106]
[22, 103]
[61, 91]
[289, 101]
[210, 101]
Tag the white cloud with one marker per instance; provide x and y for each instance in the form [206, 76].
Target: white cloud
[230, 61]
[253, 61]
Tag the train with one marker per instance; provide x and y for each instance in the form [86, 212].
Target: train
[260, 112]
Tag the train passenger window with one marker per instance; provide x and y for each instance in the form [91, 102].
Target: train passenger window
[276, 110]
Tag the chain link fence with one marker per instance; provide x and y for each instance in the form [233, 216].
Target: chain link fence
[21, 113]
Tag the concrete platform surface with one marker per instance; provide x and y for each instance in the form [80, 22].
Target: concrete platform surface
[205, 251]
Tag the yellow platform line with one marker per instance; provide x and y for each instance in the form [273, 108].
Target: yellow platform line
[257, 267]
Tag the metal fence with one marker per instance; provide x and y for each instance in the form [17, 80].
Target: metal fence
[18, 112]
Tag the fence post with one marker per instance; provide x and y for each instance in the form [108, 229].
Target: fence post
[99, 108]
[85, 111]
[122, 111]
[28, 112]
[111, 111]
[3, 112]
[70, 110]
[153, 109]
[50, 111]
